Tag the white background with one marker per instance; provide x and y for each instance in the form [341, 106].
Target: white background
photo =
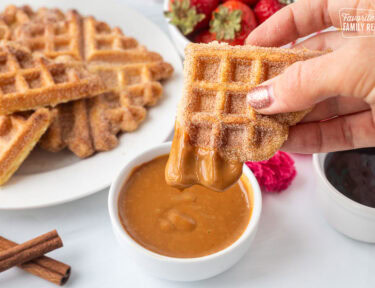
[294, 246]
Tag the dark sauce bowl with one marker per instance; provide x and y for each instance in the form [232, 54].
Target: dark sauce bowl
[347, 216]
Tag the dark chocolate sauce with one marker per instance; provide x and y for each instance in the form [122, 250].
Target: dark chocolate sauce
[353, 174]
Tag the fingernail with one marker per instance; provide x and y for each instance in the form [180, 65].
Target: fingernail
[260, 97]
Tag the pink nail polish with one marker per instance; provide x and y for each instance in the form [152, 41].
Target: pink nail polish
[260, 97]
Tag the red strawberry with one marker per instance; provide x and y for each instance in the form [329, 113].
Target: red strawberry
[232, 22]
[204, 37]
[190, 15]
[248, 2]
[266, 8]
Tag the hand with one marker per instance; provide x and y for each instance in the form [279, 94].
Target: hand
[340, 84]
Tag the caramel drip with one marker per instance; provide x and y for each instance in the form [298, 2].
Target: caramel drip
[188, 165]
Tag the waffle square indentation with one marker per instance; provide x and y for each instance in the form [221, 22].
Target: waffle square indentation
[234, 136]
[104, 44]
[236, 103]
[274, 69]
[102, 28]
[4, 64]
[33, 80]
[61, 29]
[8, 86]
[109, 76]
[36, 31]
[62, 45]
[132, 76]
[208, 69]
[204, 101]
[59, 75]
[37, 46]
[201, 135]
[240, 70]
[128, 43]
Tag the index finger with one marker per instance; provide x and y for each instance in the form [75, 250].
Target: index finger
[297, 20]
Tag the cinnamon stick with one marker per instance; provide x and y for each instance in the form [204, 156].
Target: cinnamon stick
[44, 267]
[29, 250]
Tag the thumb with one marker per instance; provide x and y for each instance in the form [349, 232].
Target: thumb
[301, 85]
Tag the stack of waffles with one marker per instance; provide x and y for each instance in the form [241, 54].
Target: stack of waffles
[69, 81]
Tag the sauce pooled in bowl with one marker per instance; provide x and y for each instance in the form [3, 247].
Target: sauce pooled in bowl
[191, 223]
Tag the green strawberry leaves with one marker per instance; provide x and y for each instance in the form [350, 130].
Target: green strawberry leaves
[183, 16]
[225, 24]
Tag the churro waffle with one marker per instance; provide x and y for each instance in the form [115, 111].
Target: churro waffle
[29, 81]
[214, 109]
[129, 70]
[101, 118]
[83, 127]
[19, 133]
[216, 131]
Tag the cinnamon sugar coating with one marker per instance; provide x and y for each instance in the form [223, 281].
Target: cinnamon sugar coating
[131, 74]
[213, 110]
[19, 133]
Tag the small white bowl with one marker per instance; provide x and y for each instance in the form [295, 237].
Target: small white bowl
[178, 38]
[180, 269]
[354, 220]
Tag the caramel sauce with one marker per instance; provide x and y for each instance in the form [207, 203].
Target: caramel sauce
[188, 165]
[191, 223]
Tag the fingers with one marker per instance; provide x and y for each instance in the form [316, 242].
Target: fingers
[342, 133]
[306, 83]
[337, 106]
[293, 21]
[299, 87]
[323, 41]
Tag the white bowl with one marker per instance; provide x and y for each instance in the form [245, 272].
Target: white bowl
[345, 215]
[180, 269]
[177, 37]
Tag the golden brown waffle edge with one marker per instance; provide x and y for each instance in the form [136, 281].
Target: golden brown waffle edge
[29, 81]
[19, 133]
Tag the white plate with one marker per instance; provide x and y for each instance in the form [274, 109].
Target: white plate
[47, 179]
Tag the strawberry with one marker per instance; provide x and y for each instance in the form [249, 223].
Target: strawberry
[248, 2]
[190, 15]
[266, 8]
[204, 36]
[232, 22]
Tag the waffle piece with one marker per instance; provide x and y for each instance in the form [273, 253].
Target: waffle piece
[19, 133]
[216, 131]
[51, 32]
[100, 119]
[135, 86]
[214, 109]
[83, 127]
[103, 44]
[29, 81]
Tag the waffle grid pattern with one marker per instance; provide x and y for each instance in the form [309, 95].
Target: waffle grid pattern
[214, 108]
[53, 35]
[28, 82]
[223, 120]
[104, 43]
[130, 72]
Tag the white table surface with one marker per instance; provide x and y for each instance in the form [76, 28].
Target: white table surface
[294, 246]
